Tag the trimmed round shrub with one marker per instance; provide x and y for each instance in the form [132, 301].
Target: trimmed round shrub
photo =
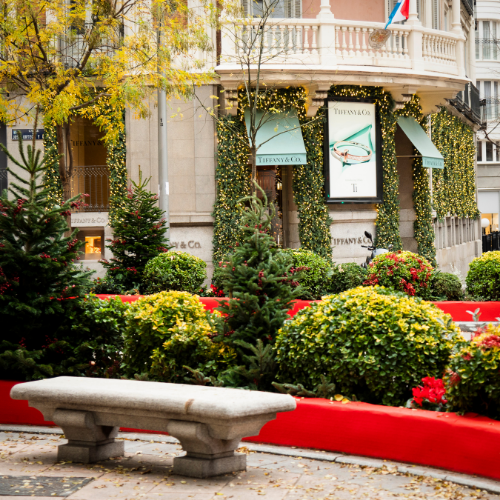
[175, 270]
[316, 278]
[402, 271]
[372, 343]
[347, 276]
[473, 378]
[447, 286]
[483, 278]
[168, 330]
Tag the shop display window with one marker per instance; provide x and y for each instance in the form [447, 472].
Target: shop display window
[493, 227]
[94, 244]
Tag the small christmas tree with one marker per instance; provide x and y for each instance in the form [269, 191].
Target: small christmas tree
[139, 235]
[37, 260]
[260, 280]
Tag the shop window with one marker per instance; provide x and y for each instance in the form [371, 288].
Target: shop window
[489, 151]
[493, 219]
[94, 244]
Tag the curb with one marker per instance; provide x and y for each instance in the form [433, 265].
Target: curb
[461, 479]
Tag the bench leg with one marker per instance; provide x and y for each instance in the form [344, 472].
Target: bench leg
[205, 455]
[87, 442]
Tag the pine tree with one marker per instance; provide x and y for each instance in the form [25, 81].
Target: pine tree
[258, 278]
[138, 236]
[37, 260]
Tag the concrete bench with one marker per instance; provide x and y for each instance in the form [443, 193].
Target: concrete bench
[209, 422]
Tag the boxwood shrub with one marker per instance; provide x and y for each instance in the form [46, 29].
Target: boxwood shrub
[316, 272]
[473, 378]
[446, 286]
[373, 343]
[168, 330]
[402, 271]
[483, 278]
[347, 276]
[174, 270]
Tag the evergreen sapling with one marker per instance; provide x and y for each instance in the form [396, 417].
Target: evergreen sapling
[138, 236]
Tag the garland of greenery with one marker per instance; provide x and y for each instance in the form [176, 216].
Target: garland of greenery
[422, 227]
[116, 161]
[51, 178]
[454, 187]
[387, 222]
[233, 181]
[232, 176]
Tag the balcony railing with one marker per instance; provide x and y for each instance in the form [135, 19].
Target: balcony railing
[469, 6]
[491, 109]
[469, 103]
[94, 181]
[487, 49]
[319, 42]
[76, 42]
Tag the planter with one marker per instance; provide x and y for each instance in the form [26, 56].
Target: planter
[469, 444]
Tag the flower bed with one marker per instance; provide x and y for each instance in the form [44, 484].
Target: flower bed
[469, 444]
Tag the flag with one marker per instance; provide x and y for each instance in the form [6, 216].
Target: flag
[400, 12]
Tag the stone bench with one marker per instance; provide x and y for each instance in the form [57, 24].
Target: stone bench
[209, 422]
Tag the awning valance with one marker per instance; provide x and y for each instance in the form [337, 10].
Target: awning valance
[285, 145]
[431, 157]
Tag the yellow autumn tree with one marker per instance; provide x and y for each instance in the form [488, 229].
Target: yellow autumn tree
[61, 57]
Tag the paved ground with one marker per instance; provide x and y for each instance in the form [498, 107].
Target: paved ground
[28, 468]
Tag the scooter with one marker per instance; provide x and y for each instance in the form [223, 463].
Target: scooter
[374, 251]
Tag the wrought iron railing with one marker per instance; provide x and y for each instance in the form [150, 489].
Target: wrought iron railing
[94, 181]
[491, 242]
[491, 109]
[76, 42]
[468, 103]
[469, 6]
[487, 48]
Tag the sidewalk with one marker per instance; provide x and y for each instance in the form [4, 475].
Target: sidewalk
[28, 469]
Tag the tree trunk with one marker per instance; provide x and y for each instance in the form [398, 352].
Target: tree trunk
[253, 162]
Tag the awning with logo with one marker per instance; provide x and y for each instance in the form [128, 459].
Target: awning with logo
[281, 138]
[431, 157]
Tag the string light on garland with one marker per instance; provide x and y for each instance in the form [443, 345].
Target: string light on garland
[454, 187]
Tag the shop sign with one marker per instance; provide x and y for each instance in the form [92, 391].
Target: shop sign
[89, 219]
[27, 134]
[352, 152]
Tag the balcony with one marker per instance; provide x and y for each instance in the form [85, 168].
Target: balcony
[491, 110]
[487, 49]
[332, 50]
[94, 181]
[469, 104]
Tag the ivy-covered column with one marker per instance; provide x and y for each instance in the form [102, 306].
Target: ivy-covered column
[51, 178]
[117, 167]
[232, 177]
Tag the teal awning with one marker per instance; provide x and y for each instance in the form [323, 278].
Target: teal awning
[285, 145]
[431, 157]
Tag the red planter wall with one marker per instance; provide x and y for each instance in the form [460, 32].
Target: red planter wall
[468, 444]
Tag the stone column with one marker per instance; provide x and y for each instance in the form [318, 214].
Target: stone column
[413, 14]
[456, 27]
[428, 14]
[326, 38]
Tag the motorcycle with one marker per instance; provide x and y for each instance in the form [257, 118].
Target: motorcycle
[375, 251]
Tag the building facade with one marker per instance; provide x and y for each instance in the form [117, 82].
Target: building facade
[488, 81]
[321, 47]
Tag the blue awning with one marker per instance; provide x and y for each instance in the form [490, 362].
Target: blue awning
[285, 145]
[431, 157]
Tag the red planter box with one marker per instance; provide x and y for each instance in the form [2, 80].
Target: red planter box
[468, 444]
[490, 311]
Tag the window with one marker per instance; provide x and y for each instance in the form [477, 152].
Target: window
[435, 14]
[489, 151]
[477, 44]
[486, 40]
[497, 149]
[94, 243]
[283, 8]
[487, 96]
[479, 150]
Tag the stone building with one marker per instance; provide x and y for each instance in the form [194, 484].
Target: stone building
[324, 43]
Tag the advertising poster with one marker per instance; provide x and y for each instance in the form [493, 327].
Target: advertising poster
[353, 160]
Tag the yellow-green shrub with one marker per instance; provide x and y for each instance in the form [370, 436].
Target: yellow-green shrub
[473, 378]
[168, 330]
[373, 343]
